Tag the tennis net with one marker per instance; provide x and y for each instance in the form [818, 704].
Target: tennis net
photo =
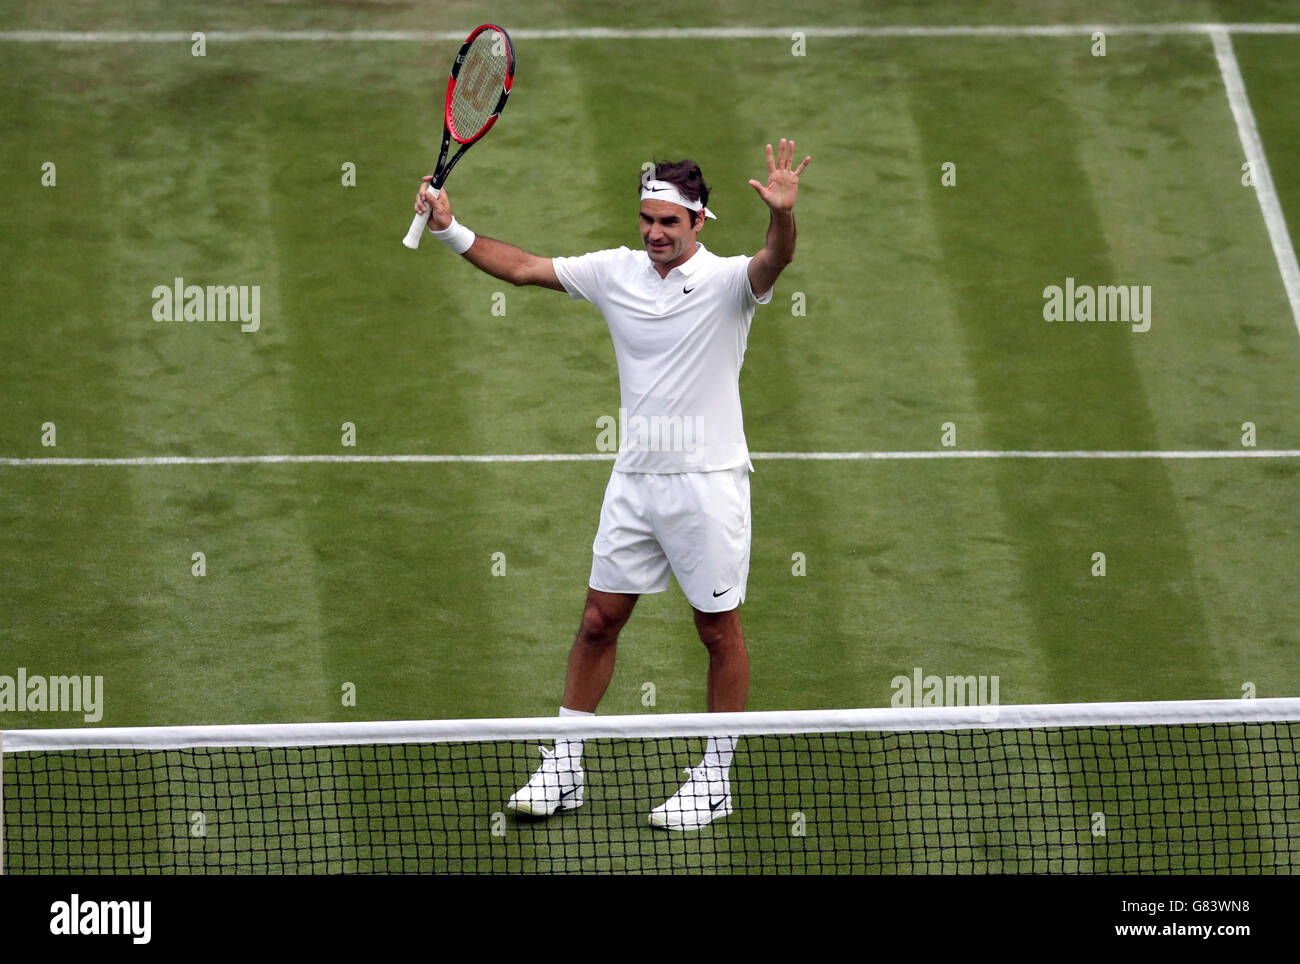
[1169, 787]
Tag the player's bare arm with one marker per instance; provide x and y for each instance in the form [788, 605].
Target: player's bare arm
[778, 194]
[500, 260]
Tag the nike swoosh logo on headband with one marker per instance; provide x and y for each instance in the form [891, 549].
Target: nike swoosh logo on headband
[657, 190]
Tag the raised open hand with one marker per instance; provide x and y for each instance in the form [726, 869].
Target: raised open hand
[782, 181]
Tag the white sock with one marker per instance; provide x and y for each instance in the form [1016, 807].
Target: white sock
[719, 751]
[568, 753]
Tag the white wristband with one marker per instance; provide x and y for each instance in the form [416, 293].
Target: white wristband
[455, 236]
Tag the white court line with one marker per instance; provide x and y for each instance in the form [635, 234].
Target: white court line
[656, 33]
[609, 457]
[1253, 146]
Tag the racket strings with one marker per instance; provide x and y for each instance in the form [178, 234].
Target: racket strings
[479, 84]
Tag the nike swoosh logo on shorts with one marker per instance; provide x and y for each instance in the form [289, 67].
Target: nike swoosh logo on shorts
[723, 593]
[713, 805]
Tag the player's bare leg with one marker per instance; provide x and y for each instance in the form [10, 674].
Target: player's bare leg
[591, 660]
[706, 794]
[558, 784]
[728, 660]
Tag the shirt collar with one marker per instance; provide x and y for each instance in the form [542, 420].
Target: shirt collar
[687, 267]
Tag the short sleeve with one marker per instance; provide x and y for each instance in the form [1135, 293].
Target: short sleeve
[584, 276]
[743, 286]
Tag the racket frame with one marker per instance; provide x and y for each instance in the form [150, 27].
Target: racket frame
[444, 168]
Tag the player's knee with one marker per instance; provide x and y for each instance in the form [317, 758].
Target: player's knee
[718, 637]
[598, 628]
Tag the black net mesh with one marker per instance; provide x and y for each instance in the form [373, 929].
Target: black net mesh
[1187, 798]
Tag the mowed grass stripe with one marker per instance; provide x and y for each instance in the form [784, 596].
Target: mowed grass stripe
[374, 332]
[1177, 214]
[518, 368]
[1221, 320]
[68, 541]
[891, 584]
[1006, 236]
[407, 347]
[198, 151]
[1148, 176]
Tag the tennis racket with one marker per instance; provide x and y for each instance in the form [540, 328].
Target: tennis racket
[481, 78]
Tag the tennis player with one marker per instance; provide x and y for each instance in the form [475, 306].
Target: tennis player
[678, 498]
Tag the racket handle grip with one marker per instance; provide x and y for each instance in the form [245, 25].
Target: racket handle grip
[421, 221]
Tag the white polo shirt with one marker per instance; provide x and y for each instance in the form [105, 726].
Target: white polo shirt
[680, 343]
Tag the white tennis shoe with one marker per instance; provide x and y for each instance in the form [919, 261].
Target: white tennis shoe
[551, 789]
[703, 798]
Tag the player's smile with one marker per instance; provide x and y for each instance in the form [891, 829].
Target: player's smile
[667, 233]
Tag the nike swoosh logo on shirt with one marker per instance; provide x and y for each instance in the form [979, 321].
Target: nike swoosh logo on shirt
[687, 291]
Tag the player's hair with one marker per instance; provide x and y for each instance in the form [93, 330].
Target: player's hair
[687, 177]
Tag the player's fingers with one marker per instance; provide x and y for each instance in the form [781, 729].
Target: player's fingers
[757, 187]
[783, 159]
[420, 199]
[806, 162]
[771, 164]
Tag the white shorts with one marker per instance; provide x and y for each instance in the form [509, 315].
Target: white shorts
[694, 524]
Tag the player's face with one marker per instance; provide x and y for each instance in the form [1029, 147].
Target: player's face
[667, 233]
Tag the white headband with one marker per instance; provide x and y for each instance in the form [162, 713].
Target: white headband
[663, 191]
